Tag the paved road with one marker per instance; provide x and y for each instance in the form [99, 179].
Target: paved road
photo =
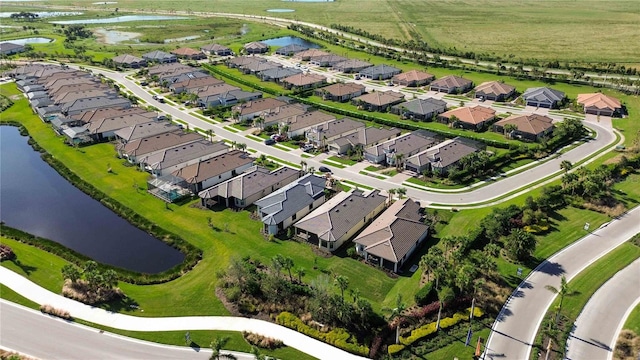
[597, 327]
[604, 137]
[289, 337]
[516, 325]
[30, 332]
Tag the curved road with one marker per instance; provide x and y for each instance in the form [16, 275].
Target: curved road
[605, 137]
[597, 327]
[30, 332]
[289, 337]
[515, 328]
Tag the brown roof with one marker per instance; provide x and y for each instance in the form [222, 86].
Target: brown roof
[309, 119]
[163, 68]
[341, 89]
[116, 123]
[159, 142]
[451, 81]
[394, 232]
[256, 45]
[413, 75]
[285, 111]
[53, 85]
[599, 101]
[471, 115]
[185, 51]
[215, 166]
[309, 53]
[64, 89]
[127, 59]
[98, 114]
[495, 88]
[215, 89]
[381, 98]
[64, 98]
[304, 79]
[197, 82]
[258, 105]
[214, 47]
[531, 124]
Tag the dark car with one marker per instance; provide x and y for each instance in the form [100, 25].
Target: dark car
[144, 83]
[269, 142]
[324, 169]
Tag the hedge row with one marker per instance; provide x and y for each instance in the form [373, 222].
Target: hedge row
[337, 337]
[192, 254]
[430, 329]
[5, 103]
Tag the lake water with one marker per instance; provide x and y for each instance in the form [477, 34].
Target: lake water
[33, 40]
[120, 19]
[41, 14]
[288, 40]
[115, 36]
[36, 199]
[280, 10]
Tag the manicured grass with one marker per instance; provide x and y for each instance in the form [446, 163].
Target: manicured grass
[229, 128]
[359, 186]
[13, 296]
[342, 160]
[330, 163]
[457, 350]
[373, 175]
[254, 138]
[295, 166]
[633, 321]
[432, 183]
[282, 147]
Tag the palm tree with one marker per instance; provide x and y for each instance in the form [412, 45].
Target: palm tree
[216, 345]
[398, 159]
[300, 272]
[396, 313]
[562, 291]
[287, 264]
[391, 192]
[242, 146]
[509, 128]
[566, 165]
[303, 165]
[342, 282]
[210, 134]
[445, 295]
[276, 263]
[401, 192]
[311, 170]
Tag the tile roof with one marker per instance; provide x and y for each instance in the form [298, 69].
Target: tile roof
[533, 124]
[413, 75]
[341, 89]
[304, 79]
[283, 112]
[214, 48]
[146, 129]
[310, 53]
[256, 45]
[422, 106]
[471, 115]
[451, 81]
[213, 167]
[379, 70]
[251, 182]
[334, 128]
[99, 114]
[196, 83]
[381, 98]
[158, 142]
[599, 101]
[260, 105]
[392, 235]
[367, 136]
[241, 61]
[185, 51]
[449, 152]
[103, 125]
[279, 72]
[167, 68]
[495, 88]
[291, 49]
[339, 215]
[351, 64]
[183, 153]
[84, 104]
[308, 119]
[407, 143]
[157, 55]
[127, 59]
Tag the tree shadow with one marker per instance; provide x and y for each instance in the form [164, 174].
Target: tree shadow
[551, 268]
[26, 268]
[125, 304]
[195, 346]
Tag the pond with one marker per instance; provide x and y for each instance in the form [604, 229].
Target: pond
[119, 19]
[32, 40]
[115, 36]
[280, 10]
[288, 40]
[38, 200]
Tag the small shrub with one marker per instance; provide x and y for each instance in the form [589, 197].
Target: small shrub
[394, 349]
[48, 309]
[233, 293]
[425, 295]
[262, 341]
[6, 253]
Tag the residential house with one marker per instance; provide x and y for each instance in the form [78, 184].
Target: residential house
[299, 124]
[278, 73]
[99, 102]
[60, 123]
[76, 135]
[362, 139]
[394, 236]
[308, 54]
[129, 61]
[420, 109]
[33, 88]
[451, 84]
[259, 66]
[303, 81]
[494, 90]
[246, 188]
[167, 68]
[474, 118]
[172, 159]
[188, 53]
[144, 130]
[351, 66]
[216, 49]
[7, 48]
[529, 126]
[543, 97]
[291, 49]
[380, 72]
[326, 60]
[600, 104]
[251, 109]
[194, 84]
[99, 114]
[158, 56]
[340, 218]
[209, 96]
[442, 157]
[106, 128]
[63, 99]
[234, 97]
[147, 146]
[341, 91]
[240, 62]
[256, 47]
[46, 113]
[65, 89]
[210, 172]
[323, 134]
[274, 116]
[413, 78]
[292, 202]
[57, 84]
[400, 148]
[167, 79]
[378, 100]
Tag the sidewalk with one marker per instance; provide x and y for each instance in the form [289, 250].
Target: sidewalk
[78, 310]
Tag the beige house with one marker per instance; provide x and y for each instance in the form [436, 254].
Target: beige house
[600, 104]
[529, 127]
[474, 118]
[413, 78]
[494, 90]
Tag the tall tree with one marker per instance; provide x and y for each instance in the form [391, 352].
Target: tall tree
[520, 244]
[287, 264]
[396, 313]
[566, 165]
[445, 295]
[342, 282]
[216, 346]
[71, 272]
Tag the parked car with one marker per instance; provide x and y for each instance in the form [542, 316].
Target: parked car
[155, 97]
[144, 83]
[324, 169]
[269, 142]
[307, 147]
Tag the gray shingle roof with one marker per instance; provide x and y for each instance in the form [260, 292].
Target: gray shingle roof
[422, 106]
[542, 94]
[290, 199]
[252, 181]
[385, 71]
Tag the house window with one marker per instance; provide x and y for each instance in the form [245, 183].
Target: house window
[310, 206]
[331, 245]
[294, 217]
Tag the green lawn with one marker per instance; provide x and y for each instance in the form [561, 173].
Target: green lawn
[633, 321]
[342, 160]
[330, 163]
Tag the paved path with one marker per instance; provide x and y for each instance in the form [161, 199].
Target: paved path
[494, 190]
[597, 327]
[514, 330]
[289, 337]
[30, 332]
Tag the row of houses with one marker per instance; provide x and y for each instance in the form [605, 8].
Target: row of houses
[162, 57]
